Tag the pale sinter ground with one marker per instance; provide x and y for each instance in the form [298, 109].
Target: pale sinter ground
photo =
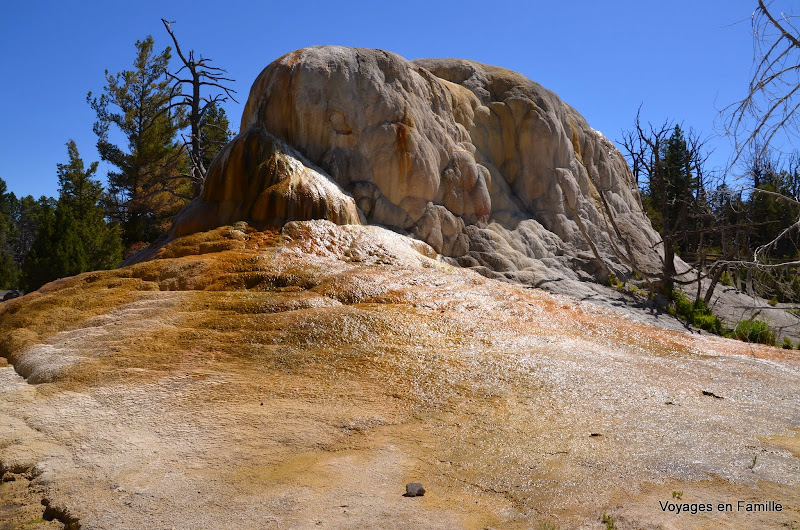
[242, 382]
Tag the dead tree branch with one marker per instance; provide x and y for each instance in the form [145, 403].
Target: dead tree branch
[202, 77]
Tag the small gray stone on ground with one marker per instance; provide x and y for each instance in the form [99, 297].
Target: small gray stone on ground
[414, 489]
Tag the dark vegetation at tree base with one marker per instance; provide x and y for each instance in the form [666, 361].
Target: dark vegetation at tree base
[698, 315]
[695, 313]
[754, 331]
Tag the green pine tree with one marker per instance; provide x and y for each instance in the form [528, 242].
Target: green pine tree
[145, 188]
[81, 196]
[214, 133]
[29, 216]
[772, 215]
[73, 237]
[669, 166]
[669, 198]
[681, 189]
[9, 270]
[37, 267]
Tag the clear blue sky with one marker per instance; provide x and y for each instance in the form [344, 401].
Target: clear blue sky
[682, 59]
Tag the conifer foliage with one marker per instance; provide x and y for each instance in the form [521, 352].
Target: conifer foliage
[145, 187]
[73, 237]
[669, 164]
[9, 270]
[159, 130]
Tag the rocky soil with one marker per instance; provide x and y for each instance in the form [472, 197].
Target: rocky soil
[301, 379]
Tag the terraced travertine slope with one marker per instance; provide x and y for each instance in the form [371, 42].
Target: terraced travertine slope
[300, 379]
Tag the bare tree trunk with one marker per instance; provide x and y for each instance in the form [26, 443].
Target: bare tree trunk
[749, 282]
[201, 74]
[198, 171]
[701, 262]
[714, 280]
[668, 274]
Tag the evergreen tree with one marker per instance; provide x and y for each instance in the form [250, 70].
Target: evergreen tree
[679, 191]
[214, 133]
[73, 237]
[669, 166]
[146, 181]
[29, 216]
[81, 196]
[9, 270]
[731, 224]
[57, 250]
[771, 216]
[39, 217]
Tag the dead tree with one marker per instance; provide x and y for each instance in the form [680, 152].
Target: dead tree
[768, 115]
[669, 165]
[770, 107]
[198, 76]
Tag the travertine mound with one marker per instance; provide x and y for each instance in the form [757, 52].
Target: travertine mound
[482, 163]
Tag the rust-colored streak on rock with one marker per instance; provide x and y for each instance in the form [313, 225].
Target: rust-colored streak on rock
[403, 155]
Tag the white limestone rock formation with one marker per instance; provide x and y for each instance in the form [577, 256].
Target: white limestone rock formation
[488, 167]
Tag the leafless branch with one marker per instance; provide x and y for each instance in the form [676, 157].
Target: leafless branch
[770, 106]
[201, 77]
